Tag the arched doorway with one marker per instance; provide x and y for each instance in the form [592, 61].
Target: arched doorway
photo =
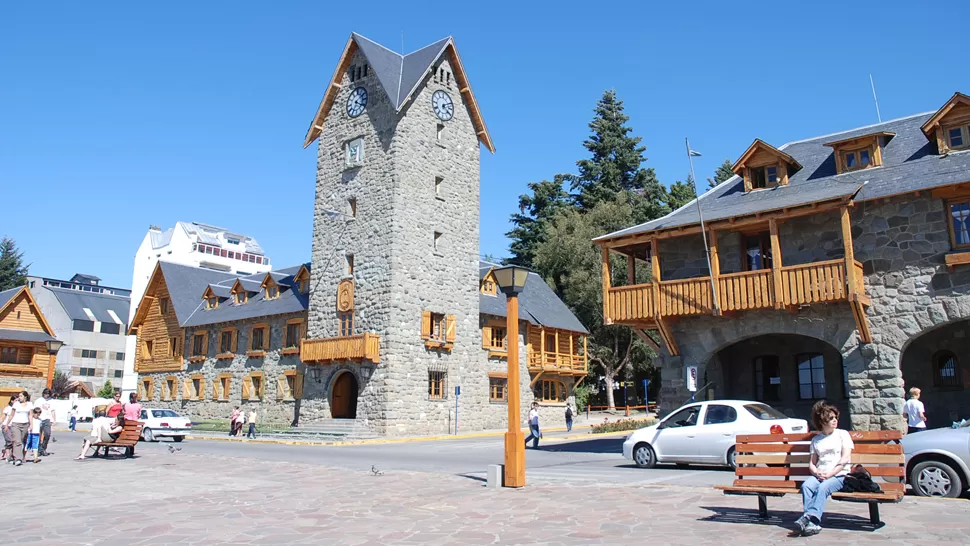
[789, 372]
[343, 399]
[937, 363]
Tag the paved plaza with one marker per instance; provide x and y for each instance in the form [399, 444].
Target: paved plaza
[195, 496]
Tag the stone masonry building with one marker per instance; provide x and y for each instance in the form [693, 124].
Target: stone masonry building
[838, 271]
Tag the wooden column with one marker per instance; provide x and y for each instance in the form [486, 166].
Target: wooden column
[514, 439]
[655, 270]
[715, 272]
[631, 270]
[607, 312]
[781, 298]
[571, 351]
[556, 354]
[849, 251]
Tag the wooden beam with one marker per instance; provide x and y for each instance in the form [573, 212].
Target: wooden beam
[855, 298]
[667, 337]
[655, 272]
[607, 315]
[715, 271]
[536, 378]
[631, 269]
[781, 298]
[646, 338]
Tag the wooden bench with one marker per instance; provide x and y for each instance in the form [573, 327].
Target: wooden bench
[127, 439]
[775, 465]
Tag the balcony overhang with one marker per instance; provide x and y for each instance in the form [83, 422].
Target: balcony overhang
[325, 350]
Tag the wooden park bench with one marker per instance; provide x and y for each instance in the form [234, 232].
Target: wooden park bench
[127, 439]
[774, 465]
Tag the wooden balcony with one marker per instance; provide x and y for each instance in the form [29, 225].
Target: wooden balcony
[364, 346]
[563, 364]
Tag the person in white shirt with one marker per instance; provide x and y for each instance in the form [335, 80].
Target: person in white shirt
[914, 412]
[47, 416]
[72, 418]
[534, 433]
[19, 422]
[830, 451]
[7, 433]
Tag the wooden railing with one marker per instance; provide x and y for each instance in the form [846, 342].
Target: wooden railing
[364, 346]
[557, 361]
[817, 282]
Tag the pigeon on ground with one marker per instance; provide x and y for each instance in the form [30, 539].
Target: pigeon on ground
[173, 449]
[375, 471]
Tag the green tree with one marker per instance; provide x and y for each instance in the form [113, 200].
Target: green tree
[535, 209]
[721, 174]
[107, 391]
[13, 272]
[680, 193]
[571, 264]
[616, 165]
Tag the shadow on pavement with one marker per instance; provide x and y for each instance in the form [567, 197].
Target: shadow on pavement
[785, 519]
[599, 445]
[673, 467]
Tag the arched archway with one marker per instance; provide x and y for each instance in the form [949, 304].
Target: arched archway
[343, 396]
[938, 363]
[787, 371]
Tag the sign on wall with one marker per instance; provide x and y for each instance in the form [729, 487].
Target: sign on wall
[692, 378]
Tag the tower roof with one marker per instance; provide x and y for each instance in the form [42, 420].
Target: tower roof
[399, 76]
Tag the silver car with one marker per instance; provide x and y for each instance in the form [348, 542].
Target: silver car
[938, 461]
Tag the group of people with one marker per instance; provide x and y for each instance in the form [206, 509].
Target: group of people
[238, 418]
[108, 426]
[27, 428]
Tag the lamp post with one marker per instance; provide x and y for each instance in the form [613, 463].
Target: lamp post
[511, 280]
[53, 345]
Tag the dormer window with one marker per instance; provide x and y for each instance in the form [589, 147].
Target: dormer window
[271, 287]
[957, 137]
[763, 166]
[212, 303]
[949, 127]
[241, 298]
[302, 280]
[859, 152]
[272, 292]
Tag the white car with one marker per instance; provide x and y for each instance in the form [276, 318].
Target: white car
[164, 422]
[704, 433]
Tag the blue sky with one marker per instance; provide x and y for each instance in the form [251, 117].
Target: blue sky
[115, 116]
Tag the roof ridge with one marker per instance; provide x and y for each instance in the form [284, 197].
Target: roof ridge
[358, 35]
[783, 146]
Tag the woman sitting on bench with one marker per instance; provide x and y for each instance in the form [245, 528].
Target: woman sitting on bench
[830, 451]
[103, 430]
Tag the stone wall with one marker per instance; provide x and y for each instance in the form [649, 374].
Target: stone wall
[682, 258]
[31, 385]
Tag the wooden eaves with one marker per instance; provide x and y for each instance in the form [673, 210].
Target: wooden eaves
[759, 144]
[929, 128]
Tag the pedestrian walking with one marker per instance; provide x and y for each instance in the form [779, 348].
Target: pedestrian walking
[252, 424]
[914, 412]
[33, 437]
[534, 433]
[19, 422]
[72, 418]
[830, 452]
[569, 417]
[233, 418]
[7, 432]
[47, 416]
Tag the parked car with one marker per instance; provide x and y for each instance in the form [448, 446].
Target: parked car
[164, 422]
[938, 461]
[704, 432]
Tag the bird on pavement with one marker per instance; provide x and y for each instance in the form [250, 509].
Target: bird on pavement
[173, 449]
[375, 471]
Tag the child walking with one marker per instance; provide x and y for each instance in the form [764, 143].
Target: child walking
[33, 438]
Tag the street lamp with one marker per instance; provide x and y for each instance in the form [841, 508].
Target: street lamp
[53, 345]
[511, 280]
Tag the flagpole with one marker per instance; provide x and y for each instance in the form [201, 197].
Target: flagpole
[707, 249]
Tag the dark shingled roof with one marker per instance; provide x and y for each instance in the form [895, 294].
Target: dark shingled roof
[399, 74]
[25, 335]
[7, 294]
[75, 301]
[537, 303]
[910, 163]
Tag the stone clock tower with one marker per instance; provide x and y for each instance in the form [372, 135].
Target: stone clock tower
[396, 235]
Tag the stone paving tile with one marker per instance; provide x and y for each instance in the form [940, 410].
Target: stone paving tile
[160, 498]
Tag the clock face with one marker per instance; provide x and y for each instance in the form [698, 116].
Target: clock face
[356, 102]
[442, 105]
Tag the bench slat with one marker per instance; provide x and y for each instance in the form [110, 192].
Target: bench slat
[884, 471]
[795, 486]
[857, 436]
[859, 497]
[886, 449]
[804, 458]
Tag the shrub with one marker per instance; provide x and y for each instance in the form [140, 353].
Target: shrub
[627, 424]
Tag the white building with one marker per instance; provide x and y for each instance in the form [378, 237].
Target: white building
[188, 243]
[91, 320]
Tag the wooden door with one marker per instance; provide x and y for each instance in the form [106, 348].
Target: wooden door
[343, 403]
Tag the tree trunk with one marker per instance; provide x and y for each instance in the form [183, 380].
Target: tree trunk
[608, 377]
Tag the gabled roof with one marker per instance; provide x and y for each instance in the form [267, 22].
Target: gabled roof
[399, 76]
[538, 304]
[7, 297]
[929, 127]
[837, 143]
[25, 335]
[759, 145]
[910, 164]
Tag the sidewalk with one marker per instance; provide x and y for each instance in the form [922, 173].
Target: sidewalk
[184, 498]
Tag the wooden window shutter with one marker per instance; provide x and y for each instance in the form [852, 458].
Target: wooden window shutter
[426, 325]
[235, 341]
[298, 386]
[247, 383]
[450, 328]
[24, 355]
[205, 344]
[486, 337]
[187, 388]
[282, 388]
[215, 388]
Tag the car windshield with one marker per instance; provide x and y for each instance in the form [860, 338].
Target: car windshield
[764, 412]
[164, 413]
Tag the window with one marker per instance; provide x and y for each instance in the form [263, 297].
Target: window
[355, 152]
[146, 389]
[147, 348]
[437, 186]
[767, 379]
[957, 137]
[175, 347]
[211, 302]
[346, 324]
[110, 328]
[252, 388]
[437, 384]
[437, 241]
[550, 391]
[959, 218]
[292, 335]
[118, 374]
[498, 338]
[718, 414]
[241, 297]
[686, 417]
[771, 175]
[757, 251]
[550, 343]
[437, 326]
[438, 330]
[258, 338]
[8, 355]
[227, 341]
[163, 306]
[90, 353]
[352, 206]
[811, 376]
[272, 292]
[86, 372]
[758, 179]
[764, 412]
[853, 160]
[289, 386]
[350, 264]
[488, 286]
[439, 132]
[199, 344]
[498, 388]
[945, 370]
[221, 386]
[169, 388]
[198, 388]
[83, 325]
[119, 356]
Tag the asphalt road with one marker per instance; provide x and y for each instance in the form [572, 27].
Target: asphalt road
[597, 460]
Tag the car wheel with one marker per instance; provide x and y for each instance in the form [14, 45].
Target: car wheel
[147, 435]
[731, 459]
[178, 438]
[935, 479]
[644, 456]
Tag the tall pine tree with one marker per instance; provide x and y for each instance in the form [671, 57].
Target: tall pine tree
[535, 211]
[616, 165]
[721, 174]
[13, 272]
[681, 193]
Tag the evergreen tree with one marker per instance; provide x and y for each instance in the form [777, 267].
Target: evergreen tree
[681, 193]
[535, 210]
[721, 174]
[13, 272]
[107, 391]
[616, 165]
